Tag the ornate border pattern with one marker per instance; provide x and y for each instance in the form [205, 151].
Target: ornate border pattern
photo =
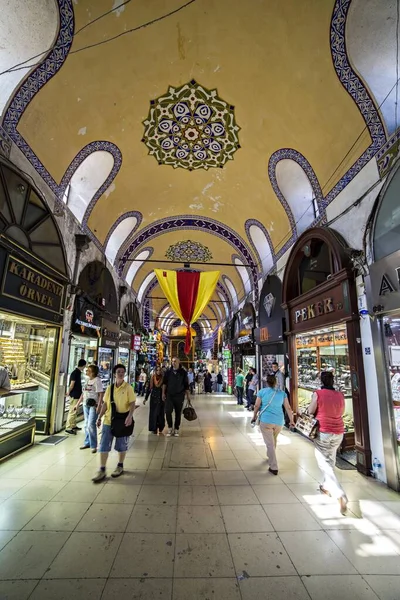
[189, 222]
[25, 94]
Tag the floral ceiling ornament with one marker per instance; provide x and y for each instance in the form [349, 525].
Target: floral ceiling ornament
[192, 128]
[188, 251]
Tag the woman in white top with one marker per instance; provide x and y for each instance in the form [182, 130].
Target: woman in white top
[92, 398]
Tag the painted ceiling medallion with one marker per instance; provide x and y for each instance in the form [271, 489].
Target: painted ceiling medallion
[188, 251]
[192, 128]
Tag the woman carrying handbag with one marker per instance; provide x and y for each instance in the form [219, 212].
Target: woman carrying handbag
[157, 405]
[327, 405]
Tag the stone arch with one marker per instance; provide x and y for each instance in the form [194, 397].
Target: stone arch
[124, 226]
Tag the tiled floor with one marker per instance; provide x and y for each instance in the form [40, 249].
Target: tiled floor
[229, 532]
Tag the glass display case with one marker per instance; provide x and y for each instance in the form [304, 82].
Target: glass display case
[106, 365]
[391, 332]
[325, 349]
[28, 351]
[17, 421]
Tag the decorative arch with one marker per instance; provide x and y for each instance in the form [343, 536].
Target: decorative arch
[137, 264]
[132, 219]
[33, 84]
[80, 158]
[143, 293]
[231, 290]
[192, 223]
[244, 274]
[294, 155]
[257, 246]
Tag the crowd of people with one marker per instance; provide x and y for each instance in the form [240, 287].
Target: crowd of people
[167, 388]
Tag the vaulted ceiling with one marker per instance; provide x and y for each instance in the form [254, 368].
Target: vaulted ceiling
[226, 123]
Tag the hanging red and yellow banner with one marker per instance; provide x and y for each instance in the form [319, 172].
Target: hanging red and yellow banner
[188, 294]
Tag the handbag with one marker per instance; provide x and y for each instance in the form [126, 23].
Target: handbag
[258, 419]
[118, 427]
[307, 425]
[188, 412]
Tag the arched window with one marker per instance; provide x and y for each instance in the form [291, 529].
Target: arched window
[26, 28]
[243, 274]
[25, 218]
[262, 245]
[136, 264]
[87, 179]
[387, 223]
[144, 285]
[118, 236]
[231, 289]
[372, 48]
[297, 190]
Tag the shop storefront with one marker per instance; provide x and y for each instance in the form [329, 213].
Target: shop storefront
[269, 336]
[34, 277]
[129, 341]
[383, 287]
[324, 333]
[226, 362]
[243, 347]
[94, 329]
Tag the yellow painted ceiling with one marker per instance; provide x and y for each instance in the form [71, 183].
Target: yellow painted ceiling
[269, 58]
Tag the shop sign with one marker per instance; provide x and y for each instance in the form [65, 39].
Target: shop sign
[86, 319]
[26, 284]
[270, 314]
[316, 309]
[109, 334]
[245, 339]
[385, 282]
[136, 342]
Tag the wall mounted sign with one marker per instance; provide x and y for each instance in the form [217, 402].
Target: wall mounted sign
[325, 309]
[136, 342]
[271, 315]
[86, 318]
[109, 334]
[384, 280]
[27, 284]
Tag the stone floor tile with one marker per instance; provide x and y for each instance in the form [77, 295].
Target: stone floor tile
[386, 587]
[200, 495]
[105, 518]
[236, 494]
[153, 518]
[220, 589]
[78, 491]
[86, 555]
[196, 519]
[314, 553]
[15, 514]
[58, 516]
[273, 588]
[338, 587]
[245, 519]
[158, 494]
[29, 554]
[202, 555]
[65, 589]
[138, 589]
[259, 554]
[291, 518]
[17, 590]
[145, 555]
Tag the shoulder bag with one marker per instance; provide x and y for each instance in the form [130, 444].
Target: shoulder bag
[188, 412]
[258, 419]
[118, 427]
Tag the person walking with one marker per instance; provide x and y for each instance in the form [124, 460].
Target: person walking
[175, 388]
[157, 404]
[253, 385]
[200, 382]
[269, 404]
[122, 395]
[92, 398]
[191, 380]
[207, 383]
[74, 393]
[280, 384]
[327, 405]
[142, 382]
[220, 382]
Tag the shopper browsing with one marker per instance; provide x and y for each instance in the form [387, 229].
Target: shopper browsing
[74, 393]
[91, 398]
[122, 396]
